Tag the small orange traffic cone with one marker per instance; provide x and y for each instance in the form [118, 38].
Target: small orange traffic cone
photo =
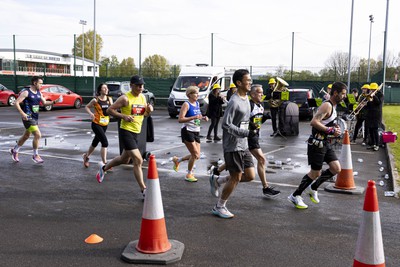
[369, 251]
[93, 239]
[345, 179]
[153, 245]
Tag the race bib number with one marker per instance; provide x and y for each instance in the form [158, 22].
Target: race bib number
[196, 122]
[138, 110]
[257, 121]
[35, 108]
[104, 120]
[244, 125]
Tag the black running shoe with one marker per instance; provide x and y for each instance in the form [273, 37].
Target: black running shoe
[270, 192]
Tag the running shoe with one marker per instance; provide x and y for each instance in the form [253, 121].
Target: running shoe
[190, 178]
[176, 162]
[100, 174]
[208, 138]
[270, 192]
[313, 194]
[37, 159]
[85, 160]
[214, 186]
[297, 201]
[14, 155]
[376, 148]
[222, 212]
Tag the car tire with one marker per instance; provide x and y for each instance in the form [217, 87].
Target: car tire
[11, 100]
[48, 107]
[77, 104]
[172, 116]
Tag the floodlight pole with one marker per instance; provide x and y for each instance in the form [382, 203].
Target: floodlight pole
[371, 19]
[351, 38]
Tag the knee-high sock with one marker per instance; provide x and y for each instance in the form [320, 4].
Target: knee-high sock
[326, 175]
[305, 182]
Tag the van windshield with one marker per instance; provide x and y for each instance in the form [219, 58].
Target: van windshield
[183, 82]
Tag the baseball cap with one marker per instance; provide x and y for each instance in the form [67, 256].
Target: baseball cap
[136, 79]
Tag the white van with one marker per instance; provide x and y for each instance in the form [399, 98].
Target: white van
[201, 76]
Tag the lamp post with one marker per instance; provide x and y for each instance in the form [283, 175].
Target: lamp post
[83, 22]
[371, 19]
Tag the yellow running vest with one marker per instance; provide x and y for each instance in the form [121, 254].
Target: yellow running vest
[136, 108]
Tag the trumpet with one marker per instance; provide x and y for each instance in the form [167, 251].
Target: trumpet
[363, 103]
[323, 91]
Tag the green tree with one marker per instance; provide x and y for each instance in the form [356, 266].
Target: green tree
[127, 67]
[156, 66]
[88, 40]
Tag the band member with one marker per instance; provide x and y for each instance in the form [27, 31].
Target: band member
[319, 149]
[361, 117]
[373, 119]
[274, 103]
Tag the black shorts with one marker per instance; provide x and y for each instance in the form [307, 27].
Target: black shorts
[128, 139]
[253, 142]
[317, 156]
[31, 125]
[238, 161]
[188, 136]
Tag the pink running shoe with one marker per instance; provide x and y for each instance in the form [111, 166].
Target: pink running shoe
[14, 155]
[37, 159]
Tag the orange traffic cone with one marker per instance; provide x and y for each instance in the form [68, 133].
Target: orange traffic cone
[345, 179]
[153, 245]
[93, 239]
[369, 251]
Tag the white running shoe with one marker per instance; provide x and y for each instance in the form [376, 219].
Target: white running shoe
[313, 194]
[214, 186]
[222, 212]
[297, 201]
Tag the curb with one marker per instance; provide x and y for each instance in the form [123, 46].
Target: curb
[393, 171]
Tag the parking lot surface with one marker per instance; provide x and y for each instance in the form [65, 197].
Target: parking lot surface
[47, 210]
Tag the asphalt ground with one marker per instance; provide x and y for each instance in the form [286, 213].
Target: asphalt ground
[47, 210]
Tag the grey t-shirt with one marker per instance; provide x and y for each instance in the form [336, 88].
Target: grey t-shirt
[235, 124]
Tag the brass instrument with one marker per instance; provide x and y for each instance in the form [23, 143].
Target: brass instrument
[363, 103]
[280, 86]
[323, 91]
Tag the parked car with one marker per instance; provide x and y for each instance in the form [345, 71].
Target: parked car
[116, 89]
[53, 92]
[7, 96]
[300, 96]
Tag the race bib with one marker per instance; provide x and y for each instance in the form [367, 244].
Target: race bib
[138, 110]
[257, 121]
[244, 125]
[35, 108]
[104, 120]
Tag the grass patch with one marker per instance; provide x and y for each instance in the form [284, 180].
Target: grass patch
[391, 119]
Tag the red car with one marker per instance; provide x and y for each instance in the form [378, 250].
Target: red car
[7, 96]
[53, 91]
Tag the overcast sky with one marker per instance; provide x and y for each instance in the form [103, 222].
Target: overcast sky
[252, 32]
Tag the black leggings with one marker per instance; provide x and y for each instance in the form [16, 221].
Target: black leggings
[213, 125]
[100, 135]
[274, 114]
[374, 136]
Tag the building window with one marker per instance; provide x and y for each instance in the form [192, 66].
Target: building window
[90, 68]
[78, 67]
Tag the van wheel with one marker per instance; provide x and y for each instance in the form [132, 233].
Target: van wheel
[48, 107]
[172, 116]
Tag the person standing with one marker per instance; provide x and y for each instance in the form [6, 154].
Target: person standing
[257, 118]
[319, 149]
[235, 125]
[190, 115]
[231, 91]
[360, 117]
[214, 111]
[373, 119]
[275, 102]
[100, 121]
[31, 98]
[133, 108]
